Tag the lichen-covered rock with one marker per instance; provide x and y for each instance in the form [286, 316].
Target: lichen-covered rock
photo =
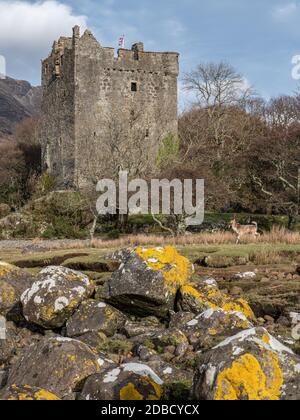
[145, 326]
[95, 340]
[13, 282]
[54, 296]
[198, 296]
[16, 338]
[252, 365]
[212, 326]
[60, 365]
[128, 382]
[26, 393]
[147, 282]
[93, 316]
[170, 337]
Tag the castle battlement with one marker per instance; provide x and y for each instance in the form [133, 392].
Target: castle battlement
[84, 81]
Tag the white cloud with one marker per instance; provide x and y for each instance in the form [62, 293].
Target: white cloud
[34, 25]
[284, 13]
[27, 32]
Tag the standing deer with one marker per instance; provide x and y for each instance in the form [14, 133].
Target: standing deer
[242, 230]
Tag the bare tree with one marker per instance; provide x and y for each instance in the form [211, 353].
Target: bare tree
[217, 85]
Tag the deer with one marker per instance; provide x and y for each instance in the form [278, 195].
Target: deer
[242, 230]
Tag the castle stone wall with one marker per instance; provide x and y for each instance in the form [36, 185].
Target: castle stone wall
[88, 90]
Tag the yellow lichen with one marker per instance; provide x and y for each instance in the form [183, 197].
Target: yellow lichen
[43, 395]
[7, 294]
[246, 379]
[266, 339]
[157, 391]
[6, 268]
[130, 393]
[175, 268]
[215, 299]
[27, 393]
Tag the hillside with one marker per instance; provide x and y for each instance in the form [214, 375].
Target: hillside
[18, 100]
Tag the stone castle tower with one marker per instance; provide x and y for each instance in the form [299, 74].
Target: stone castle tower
[87, 89]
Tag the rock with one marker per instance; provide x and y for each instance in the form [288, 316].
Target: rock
[60, 365]
[170, 337]
[95, 317]
[211, 327]
[209, 281]
[16, 338]
[8, 344]
[54, 296]
[26, 393]
[248, 275]
[144, 353]
[4, 210]
[147, 283]
[95, 340]
[252, 365]
[294, 317]
[197, 297]
[3, 378]
[180, 319]
[145, 326]
[236, 291]
[13, 282]
[269, 319]
[222, 261]
[128, 382]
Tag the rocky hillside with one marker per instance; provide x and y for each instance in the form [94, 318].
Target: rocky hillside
[152, 330]
[18, 100]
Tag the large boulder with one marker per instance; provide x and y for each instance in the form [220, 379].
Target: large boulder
[148, 280]
[60, 365]
[95, 317]
[128, 382]
[199, 296]
[211, 327]
[13, 282]
[251, 365]
[26, 393]
[54, 296]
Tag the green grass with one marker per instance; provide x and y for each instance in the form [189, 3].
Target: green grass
[89, 258]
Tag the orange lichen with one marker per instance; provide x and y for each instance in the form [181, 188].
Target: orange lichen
[247, 379]
[175, 268]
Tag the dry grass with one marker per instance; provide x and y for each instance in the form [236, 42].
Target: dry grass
[276, 236]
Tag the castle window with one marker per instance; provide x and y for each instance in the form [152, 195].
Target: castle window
[134, 87]
[147, 133]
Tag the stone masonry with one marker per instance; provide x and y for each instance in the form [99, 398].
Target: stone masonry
[87, 89]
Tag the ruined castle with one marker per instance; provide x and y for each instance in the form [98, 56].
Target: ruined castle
[90, 94]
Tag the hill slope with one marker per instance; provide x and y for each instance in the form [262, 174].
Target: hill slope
[18, 100]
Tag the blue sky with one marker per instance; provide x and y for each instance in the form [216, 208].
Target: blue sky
[258, 37]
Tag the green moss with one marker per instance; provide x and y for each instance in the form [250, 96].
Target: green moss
[178, 391]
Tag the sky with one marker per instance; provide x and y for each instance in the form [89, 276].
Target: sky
[258, 37]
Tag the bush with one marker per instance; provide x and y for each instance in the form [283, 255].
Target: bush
[114, 234]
